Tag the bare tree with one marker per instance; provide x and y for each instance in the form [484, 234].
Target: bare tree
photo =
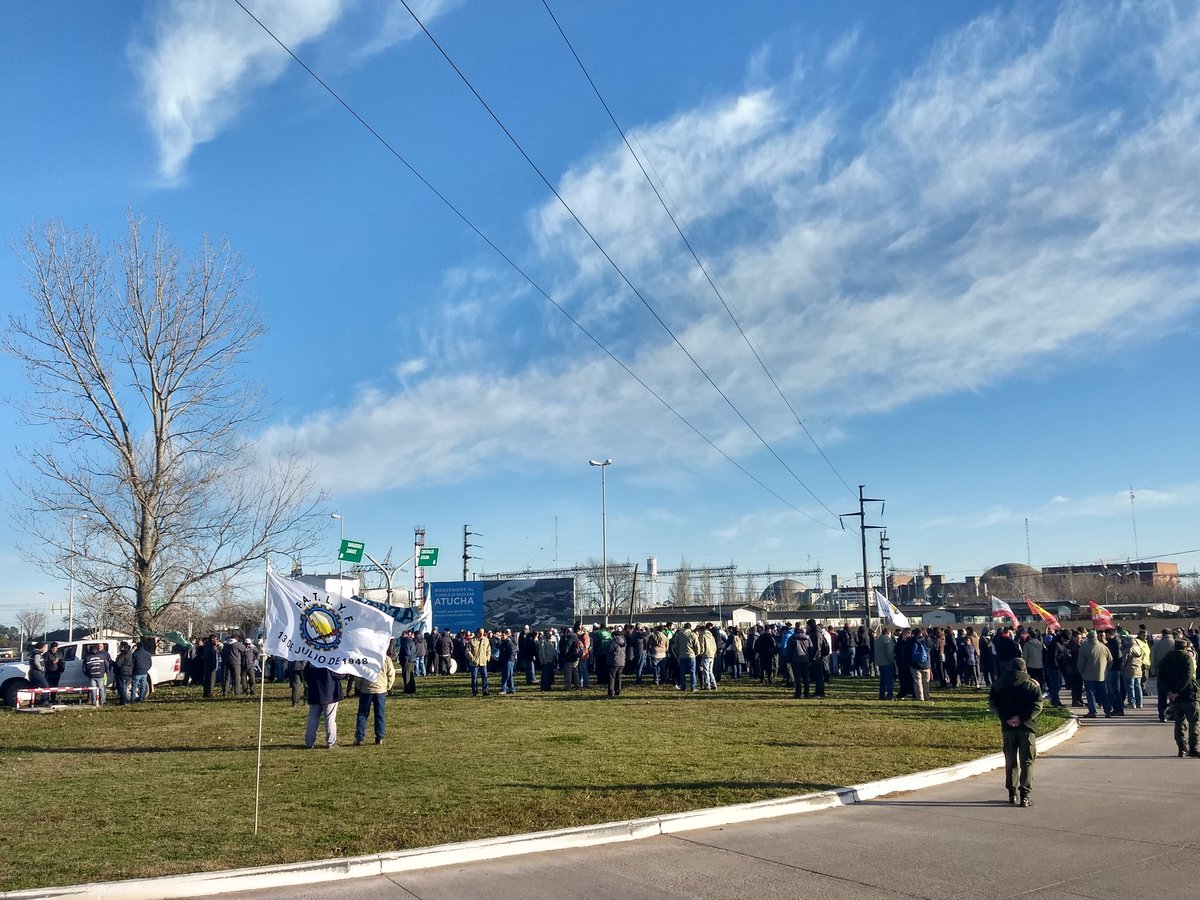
[134, 358]
[680, 591]
[750, 591]
[729, 591]
[31, 622]
[620, 586]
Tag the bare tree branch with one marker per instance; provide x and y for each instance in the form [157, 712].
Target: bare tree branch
[135, 362]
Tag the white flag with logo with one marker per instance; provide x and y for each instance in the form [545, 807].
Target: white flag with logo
[888, 611]
[324, 629]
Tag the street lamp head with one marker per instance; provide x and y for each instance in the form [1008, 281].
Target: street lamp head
[596, 462]
[334, 515]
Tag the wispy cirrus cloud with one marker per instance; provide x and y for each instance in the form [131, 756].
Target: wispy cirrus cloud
[1115, 504]
[1024, 194]
[204, 59]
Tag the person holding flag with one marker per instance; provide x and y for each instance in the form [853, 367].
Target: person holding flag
[334, 636]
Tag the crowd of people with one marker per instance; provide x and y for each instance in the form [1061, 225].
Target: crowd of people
[1107, 670]
[128, 671]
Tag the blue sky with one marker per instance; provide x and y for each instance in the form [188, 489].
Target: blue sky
[965, 241]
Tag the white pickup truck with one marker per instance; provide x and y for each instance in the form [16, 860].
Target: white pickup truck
[14, 676]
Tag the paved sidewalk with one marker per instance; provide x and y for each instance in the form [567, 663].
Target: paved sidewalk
[1116, 815]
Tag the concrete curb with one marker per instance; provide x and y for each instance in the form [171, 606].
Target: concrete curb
[205, 884]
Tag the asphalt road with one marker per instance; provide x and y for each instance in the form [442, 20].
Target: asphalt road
[1116, 815]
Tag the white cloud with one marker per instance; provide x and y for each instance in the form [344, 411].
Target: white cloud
[839, 54]
[1006, 207]
[205, 58]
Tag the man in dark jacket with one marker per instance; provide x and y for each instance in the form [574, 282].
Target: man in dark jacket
[231, 661]
[37, 671]
[294, 670]
[1177, 676]
[445, 651]
[1005, 649]
[568, 659]
[765, 648]
[95, 667]
[799, 657]
[123, 669]
[55, 664]
[508, 661]
[527, 653]
[406, 656]
[324, 692]
[616, 661]
[209, 656]
[1017, 701]
[143, 659]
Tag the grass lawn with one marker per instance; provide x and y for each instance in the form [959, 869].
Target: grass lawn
[167, 786]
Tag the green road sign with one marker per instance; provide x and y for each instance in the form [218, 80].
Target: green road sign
[427, 556]
[351, 551]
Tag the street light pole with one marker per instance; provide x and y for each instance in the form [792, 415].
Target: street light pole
[603, 532]
[71, 593]
[341, 537]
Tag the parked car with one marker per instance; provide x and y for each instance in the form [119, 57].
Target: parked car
[14, 676]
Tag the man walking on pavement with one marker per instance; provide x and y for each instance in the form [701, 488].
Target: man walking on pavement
[1177, 678]
[1094, 660]
[1016, 699]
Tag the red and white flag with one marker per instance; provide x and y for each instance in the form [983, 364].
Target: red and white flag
[1001, 610]
[1101, 617]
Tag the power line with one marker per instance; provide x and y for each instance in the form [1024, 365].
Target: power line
[708, 276]
[518, 269]
[604, 252]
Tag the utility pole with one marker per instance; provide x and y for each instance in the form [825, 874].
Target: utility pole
[884, 559]
[861, 515]
[1133, 518]
[418, 571]
[467, 545]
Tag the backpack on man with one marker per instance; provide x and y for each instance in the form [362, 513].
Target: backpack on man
[920, 654]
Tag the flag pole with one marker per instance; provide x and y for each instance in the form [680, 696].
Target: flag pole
[262, 694]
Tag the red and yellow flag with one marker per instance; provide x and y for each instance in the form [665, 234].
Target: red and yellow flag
[1101, 617]
[1042, 613]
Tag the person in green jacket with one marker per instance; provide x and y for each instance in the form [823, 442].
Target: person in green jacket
[1016, 699]
[1177, 678]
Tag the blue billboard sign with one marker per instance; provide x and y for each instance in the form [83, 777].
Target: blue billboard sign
[457, 605]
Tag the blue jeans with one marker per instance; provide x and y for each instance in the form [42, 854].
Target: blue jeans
[366, 703]
[100, 687]
[1095, 693]
[639, 667]
[1112, 690]
[419, 666]
[506, 677]
[662, 670]
[529, 672]
[1133, 690]
[687, 669]
[477, 673]
[887, 681]
[585, 675]
[141, 688]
